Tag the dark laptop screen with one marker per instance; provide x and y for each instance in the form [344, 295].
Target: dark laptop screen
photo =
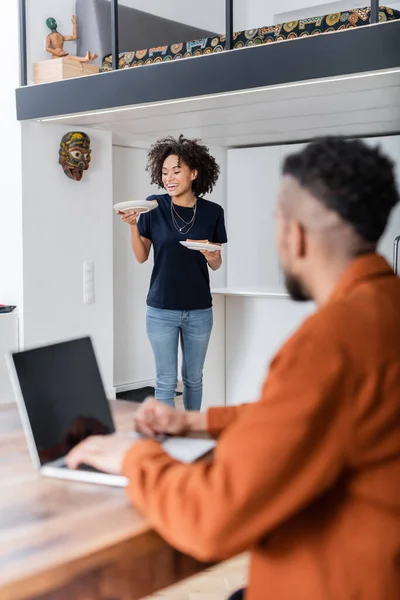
[64, 396]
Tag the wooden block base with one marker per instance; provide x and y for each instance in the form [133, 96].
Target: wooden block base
[61, 68]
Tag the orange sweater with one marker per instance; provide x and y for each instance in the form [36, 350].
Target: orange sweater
[308, 478]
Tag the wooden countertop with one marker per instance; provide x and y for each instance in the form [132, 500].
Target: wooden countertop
[63, 540]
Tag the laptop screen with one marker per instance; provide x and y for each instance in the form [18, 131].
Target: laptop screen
[64, 396]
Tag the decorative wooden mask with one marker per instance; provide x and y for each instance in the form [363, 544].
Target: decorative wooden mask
[75, 154]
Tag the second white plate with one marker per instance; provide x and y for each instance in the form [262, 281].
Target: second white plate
[201, 246]
[138, 206]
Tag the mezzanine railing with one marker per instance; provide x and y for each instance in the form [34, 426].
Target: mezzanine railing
[115, 32]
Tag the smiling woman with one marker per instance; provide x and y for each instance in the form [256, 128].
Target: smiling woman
[179, 303]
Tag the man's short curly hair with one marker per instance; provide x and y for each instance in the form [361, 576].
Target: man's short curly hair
[192, 152]
[351, 178]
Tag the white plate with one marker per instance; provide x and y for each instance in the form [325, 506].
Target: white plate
[138, 206]
[201, 246]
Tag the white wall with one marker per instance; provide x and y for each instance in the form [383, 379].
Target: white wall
[133, 360]
[65, 223]
[11, 283]
[10, 154]
[8, 343]
[207, 14]
[257, 13]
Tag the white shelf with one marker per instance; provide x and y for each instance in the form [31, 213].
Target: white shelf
[260, 292]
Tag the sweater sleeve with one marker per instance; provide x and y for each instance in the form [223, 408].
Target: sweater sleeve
[276, 457]
[221, 417]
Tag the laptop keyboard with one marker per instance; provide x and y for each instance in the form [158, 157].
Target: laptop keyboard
[84, 467]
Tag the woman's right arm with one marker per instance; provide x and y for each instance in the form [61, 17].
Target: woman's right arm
[140, 245]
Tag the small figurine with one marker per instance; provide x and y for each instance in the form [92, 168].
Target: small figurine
[75, 154]
[55, 42]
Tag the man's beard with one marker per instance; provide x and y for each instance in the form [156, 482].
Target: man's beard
[296, 289]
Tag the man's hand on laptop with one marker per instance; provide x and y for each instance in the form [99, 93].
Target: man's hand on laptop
[106, 452]
[154, 418]
[103, 452]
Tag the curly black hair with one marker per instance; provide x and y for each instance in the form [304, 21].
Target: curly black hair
[349, 177]
[193, 153]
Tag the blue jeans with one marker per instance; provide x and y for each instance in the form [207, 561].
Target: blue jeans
[164, 329]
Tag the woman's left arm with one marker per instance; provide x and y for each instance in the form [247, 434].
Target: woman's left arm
[214, 259]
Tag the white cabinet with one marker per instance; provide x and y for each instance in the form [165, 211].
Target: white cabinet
[255, 330]
[257, 326]
[8, 343]
[253, 183]
[253, 178]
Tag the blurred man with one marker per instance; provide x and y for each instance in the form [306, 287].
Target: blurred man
[307, 478]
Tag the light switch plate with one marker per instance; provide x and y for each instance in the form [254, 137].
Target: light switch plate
[88, 282]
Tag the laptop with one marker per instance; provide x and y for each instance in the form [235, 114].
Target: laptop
[61, 400]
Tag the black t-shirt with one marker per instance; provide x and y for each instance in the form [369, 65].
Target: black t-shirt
[180, 278]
